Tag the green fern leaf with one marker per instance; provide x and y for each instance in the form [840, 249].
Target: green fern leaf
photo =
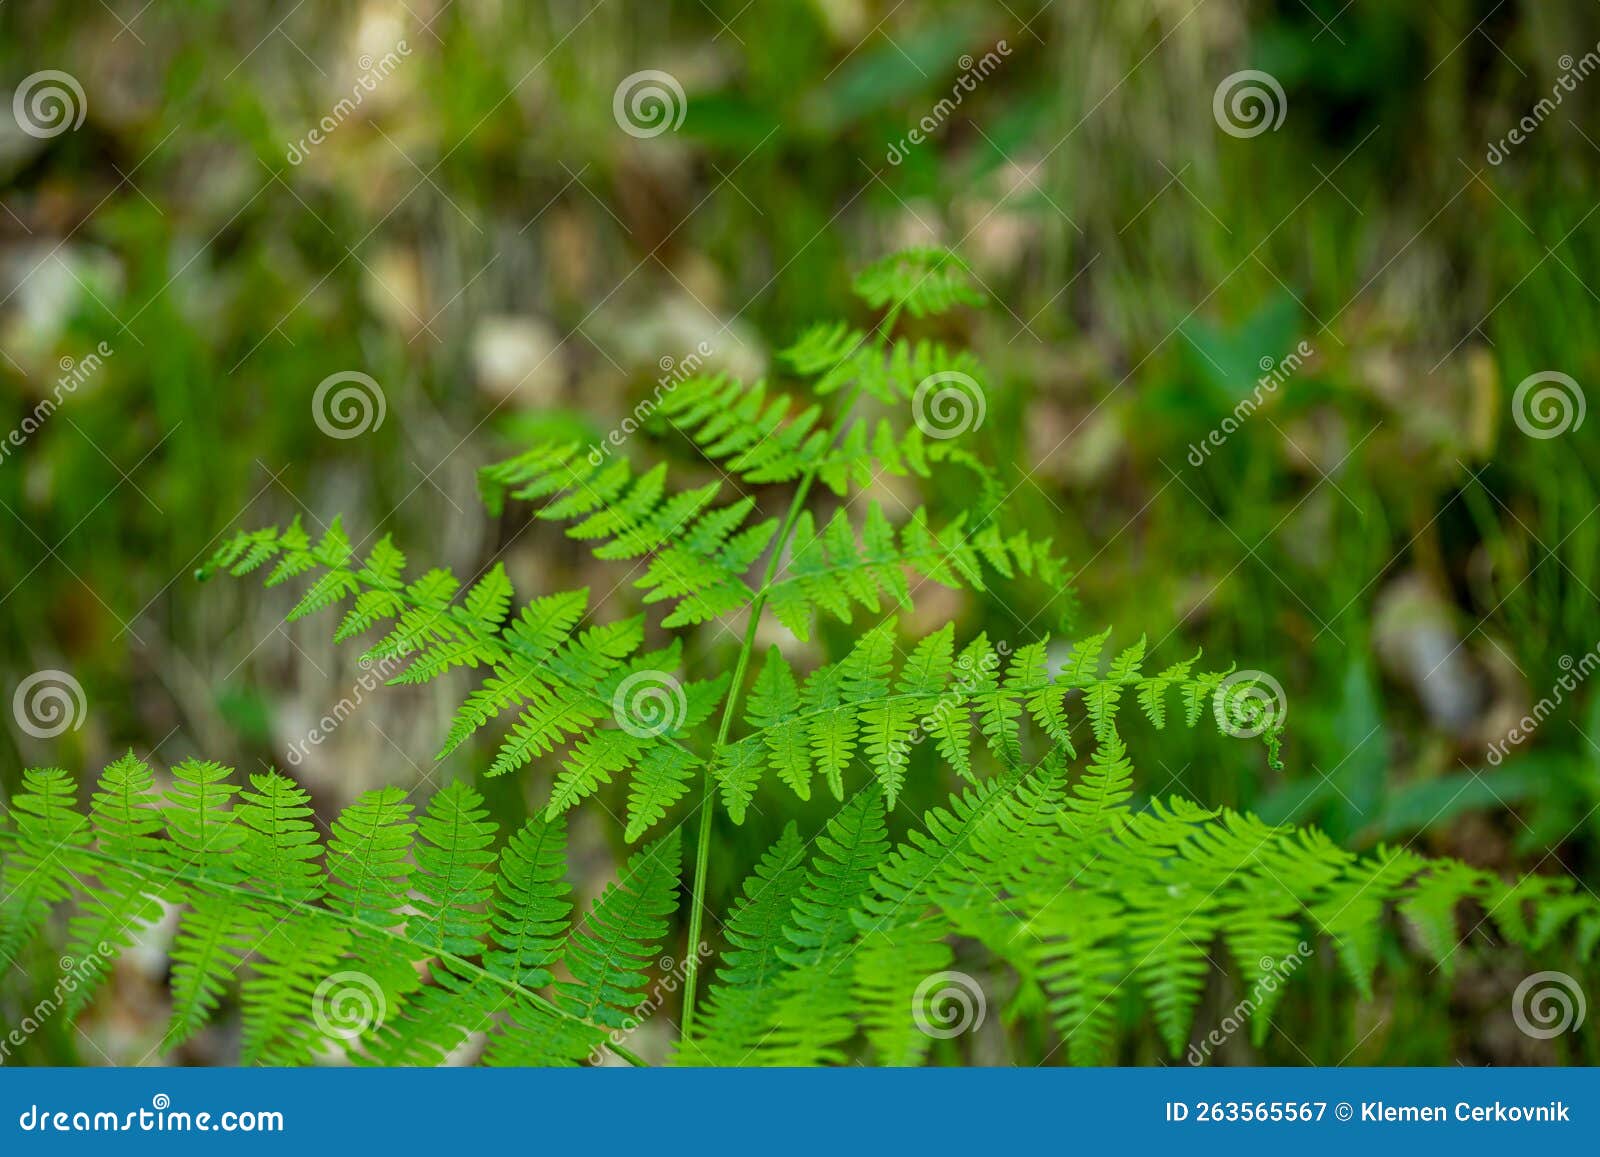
[620, 936]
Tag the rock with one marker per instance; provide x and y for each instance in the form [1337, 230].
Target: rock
[1417, 642]
[518, 359]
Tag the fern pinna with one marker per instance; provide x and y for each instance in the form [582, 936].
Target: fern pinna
[1093, 898]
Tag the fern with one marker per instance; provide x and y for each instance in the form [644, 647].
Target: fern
[740, 1007]
[567, 694]
[330, 939]
[699, 554]
[405, 940]
[757, 442]
[1099, 903]
[417, 932]
[920, 281]
[560, 681]
[859, 711]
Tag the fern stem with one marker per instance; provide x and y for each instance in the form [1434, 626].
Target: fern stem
[708, 799]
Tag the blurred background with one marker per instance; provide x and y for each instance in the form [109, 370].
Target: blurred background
[447, 197]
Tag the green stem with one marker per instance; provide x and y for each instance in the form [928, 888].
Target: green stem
[708, 798]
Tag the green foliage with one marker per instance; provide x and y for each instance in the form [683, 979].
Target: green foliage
[920, 281]
[575, 694]
[861, 711]
[331, 939]
[407, 936]
[1093, 903]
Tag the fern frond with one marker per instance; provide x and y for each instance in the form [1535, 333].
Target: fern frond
[214, 931]
[760, 437]
[862, 709]
[920, 281]
[39, 858]
[558, 683]
[891, 969]
[123, 902]
[702, 568]
[742, 1000]
[404, 941]
[1106, 904]
[620, 935]
[698, 552]
[455, 871]
[837, 568]
[811, 998]
[367, 947]
[531, 906]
